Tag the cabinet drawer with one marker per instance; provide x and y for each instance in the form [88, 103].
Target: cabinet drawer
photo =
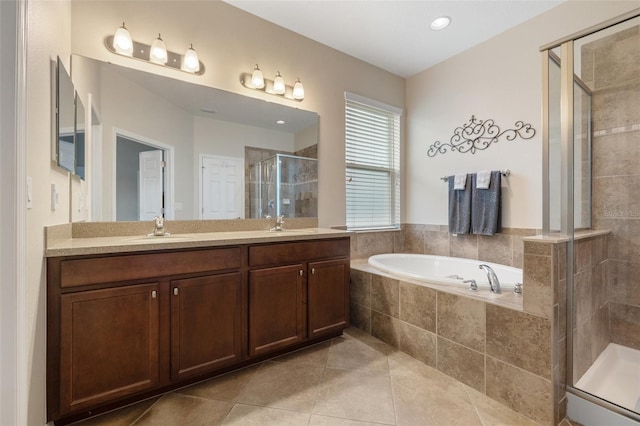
[286, 253]
[78, 272]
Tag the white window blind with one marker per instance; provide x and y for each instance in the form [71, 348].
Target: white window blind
[372, 154]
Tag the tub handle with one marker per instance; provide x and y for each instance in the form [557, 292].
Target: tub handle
[473, 286]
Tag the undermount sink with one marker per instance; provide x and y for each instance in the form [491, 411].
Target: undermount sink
[162, 238]
[296, 231]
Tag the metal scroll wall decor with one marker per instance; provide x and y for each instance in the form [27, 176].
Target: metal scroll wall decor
[479, 135]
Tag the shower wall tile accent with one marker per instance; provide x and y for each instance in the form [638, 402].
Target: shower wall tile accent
[504, 353]
[611, 68]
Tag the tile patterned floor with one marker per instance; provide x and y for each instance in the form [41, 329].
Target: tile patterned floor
[352, 380]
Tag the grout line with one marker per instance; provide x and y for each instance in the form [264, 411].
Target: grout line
[146, 411]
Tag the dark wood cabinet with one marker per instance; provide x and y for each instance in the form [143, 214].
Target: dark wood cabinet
[109, 347]
[123, 327]
[206, 324]
[276, 308]
[328, 296]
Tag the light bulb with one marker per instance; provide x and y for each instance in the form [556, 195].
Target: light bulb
[158, 54]
[298, 90]
[191, 63]
[122, 43]
[257, 79]
[278, 85]
[440, 23]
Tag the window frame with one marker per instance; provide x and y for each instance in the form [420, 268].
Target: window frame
[392, 189]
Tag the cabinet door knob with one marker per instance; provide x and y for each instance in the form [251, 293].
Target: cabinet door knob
[313, 271]
[301, 272]
[175, 291]
[154, 294]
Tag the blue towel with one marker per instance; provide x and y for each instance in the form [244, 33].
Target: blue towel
[486, 217]
[459, 208]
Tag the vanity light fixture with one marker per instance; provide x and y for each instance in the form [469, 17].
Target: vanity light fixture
[121, 44]
[257, 79]
[158, 53]
[298, 90]
[190, 62]
[277, 86]
[440, 23]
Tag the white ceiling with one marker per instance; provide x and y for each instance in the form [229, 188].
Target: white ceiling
[394, 34]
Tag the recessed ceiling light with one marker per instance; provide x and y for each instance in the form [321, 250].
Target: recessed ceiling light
[440, 23]
[281, 122]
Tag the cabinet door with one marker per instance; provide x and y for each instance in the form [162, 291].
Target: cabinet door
[109, 345]
[328, 296]
[206, 324]
[277, 308]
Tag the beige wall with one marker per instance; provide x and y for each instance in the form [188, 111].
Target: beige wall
[499, 79]
[49, 35]
[230, 42]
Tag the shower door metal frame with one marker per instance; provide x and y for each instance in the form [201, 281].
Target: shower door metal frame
[567, 169]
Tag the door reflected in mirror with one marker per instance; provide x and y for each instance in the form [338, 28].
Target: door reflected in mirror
[207, 137]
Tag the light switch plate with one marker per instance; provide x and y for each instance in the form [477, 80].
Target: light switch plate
[29, 192]
[54, 197]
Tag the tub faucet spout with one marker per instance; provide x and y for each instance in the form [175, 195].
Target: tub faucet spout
[494, 283]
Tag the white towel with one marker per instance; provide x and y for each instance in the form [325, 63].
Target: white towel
[483, 179]
[459, 181]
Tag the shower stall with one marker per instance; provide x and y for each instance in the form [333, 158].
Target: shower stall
[284, 185]
[591, 127]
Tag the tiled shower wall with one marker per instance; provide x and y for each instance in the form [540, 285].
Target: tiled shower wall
[505, 248]
[611, 68]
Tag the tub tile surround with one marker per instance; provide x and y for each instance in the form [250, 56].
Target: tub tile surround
[505, 248]
[514, 353]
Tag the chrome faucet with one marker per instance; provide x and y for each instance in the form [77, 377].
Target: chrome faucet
[279, 223]
[158, 229]
[494, 283]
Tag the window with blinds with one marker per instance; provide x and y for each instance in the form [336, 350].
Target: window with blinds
[372, 143]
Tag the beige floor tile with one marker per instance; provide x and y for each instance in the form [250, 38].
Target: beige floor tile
[420, 402]
[223, 388]
[315, 356]
[354, 354]
[355, 395]
[317, 420]
[402, 365]
[283, 385]
[493, 413]
[357, 334]
[122, 417]
[175, 409]
[249, 415]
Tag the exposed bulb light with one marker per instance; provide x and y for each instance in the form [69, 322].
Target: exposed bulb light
[298, 90]
[122, 43]
[158, 54]
[256, 78]
[440, 23]
[191, 63]
[281, 122]
[278, 85]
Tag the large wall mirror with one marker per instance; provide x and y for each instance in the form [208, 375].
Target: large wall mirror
[187, 151]
[65, 119]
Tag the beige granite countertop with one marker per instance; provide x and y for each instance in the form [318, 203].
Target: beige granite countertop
[66, 245]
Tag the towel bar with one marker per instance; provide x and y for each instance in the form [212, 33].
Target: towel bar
[504, 173]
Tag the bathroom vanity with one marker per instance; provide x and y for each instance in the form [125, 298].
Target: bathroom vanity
[124, 325]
